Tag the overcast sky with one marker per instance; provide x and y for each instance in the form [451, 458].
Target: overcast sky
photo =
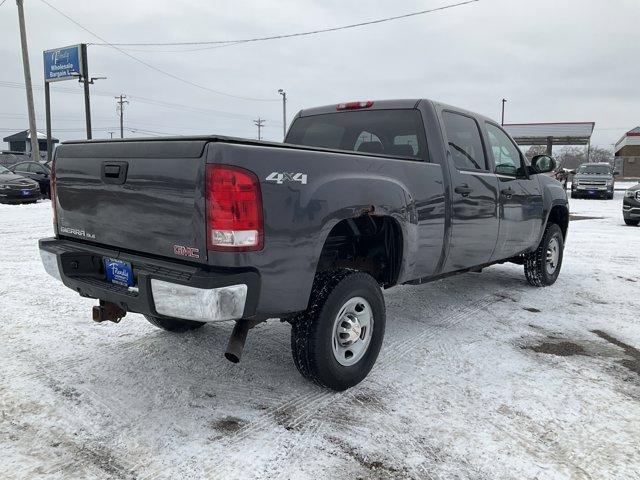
[554, 60]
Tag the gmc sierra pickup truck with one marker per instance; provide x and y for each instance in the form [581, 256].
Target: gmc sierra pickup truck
[361, 196]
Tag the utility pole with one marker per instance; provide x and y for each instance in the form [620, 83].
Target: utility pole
[284, 113]
[120, 109]
[35, 150]
[504, 100]
[259, 123]
[85, 80]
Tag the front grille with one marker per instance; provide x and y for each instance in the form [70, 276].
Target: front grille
[593, 183]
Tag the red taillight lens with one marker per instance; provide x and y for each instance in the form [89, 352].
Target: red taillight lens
[234, 209]
[354, 105]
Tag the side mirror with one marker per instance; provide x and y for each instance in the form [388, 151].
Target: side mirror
[616, 172]
[543, 164]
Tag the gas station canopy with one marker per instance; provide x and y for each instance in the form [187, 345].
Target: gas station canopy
[549, 134]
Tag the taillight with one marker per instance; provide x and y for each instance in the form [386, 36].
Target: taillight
[354, 105]
[234, 209]
[52, 194]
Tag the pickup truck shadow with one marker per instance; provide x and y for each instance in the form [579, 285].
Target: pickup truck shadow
[191, 366]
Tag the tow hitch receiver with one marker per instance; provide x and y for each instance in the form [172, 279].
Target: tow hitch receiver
[108, 311]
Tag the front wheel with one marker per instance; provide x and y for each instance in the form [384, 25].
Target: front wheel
[631, 223]
[336, 341]
[173, 324]
[542, 266]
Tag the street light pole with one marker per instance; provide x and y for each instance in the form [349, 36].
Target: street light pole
[284, 113]
[504, 100]
[35, 150]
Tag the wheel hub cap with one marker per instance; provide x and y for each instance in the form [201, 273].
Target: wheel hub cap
[553, 255]
[352, 331]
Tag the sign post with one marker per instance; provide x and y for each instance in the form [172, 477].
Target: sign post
[65, 63]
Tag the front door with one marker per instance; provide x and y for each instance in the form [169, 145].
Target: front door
[474, 220]
[520, 206]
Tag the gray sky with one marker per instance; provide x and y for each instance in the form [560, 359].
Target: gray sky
[554, 60]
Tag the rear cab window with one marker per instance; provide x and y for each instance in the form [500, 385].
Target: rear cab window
[394, 133]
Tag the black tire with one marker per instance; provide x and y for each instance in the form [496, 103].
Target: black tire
[535, 263]
[173, 324]
[313, 330]
[631, 223]
[574, 195]
[610, 196]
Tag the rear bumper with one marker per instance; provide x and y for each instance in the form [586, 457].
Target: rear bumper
[163, 288]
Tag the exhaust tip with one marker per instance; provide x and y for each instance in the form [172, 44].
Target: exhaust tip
[233, 358]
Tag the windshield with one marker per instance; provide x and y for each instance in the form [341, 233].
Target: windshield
[595, 169]
[4, 171]
[396, 133]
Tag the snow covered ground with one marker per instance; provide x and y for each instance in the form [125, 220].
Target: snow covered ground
[480, 376]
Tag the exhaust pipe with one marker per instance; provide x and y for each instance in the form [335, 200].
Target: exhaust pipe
[236, 340]
[107, 311]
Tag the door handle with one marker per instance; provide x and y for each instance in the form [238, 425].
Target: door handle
[463, 190]
[507, 192]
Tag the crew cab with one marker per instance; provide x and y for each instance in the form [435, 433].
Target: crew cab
[361, 196]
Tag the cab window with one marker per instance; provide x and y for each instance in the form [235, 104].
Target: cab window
[506, 155]
[465, 144]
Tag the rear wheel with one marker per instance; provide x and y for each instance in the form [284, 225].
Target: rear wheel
[542, 266]
[173, 324]
[336, 342]
[632, 223]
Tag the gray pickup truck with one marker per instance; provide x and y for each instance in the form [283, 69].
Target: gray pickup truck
[362, 195]
[593, 180]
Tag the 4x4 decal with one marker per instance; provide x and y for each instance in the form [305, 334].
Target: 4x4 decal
[282, 177]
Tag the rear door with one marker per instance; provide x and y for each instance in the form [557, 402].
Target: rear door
[140, 196]
[474, 220]
[520, 205]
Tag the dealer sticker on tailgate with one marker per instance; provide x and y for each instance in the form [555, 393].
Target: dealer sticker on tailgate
[118, 272]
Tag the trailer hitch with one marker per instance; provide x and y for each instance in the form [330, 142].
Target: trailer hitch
[108, 311]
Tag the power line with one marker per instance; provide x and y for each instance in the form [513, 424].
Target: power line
[153, 67]
[139, 99]
[224, 43]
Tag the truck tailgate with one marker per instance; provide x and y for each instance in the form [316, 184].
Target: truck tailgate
[144, 196]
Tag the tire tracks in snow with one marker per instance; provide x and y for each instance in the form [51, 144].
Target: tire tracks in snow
[311, 405]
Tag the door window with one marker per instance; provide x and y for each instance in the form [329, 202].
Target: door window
[464, 140]
[506, 155]
[22, 167]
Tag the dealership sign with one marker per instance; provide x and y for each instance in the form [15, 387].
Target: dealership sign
[63, 63]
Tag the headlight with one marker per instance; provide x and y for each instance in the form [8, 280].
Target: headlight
[609, 183]
[576, 182]
[630, 193]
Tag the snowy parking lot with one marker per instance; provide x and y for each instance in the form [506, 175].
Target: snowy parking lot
[480, 376]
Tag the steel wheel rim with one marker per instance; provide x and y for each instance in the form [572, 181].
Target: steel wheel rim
[553, 255]
[352, 330]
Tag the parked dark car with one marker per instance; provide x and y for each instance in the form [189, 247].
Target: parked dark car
[631, 206]
[16, 188]
[40, 172]
[362, 196]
